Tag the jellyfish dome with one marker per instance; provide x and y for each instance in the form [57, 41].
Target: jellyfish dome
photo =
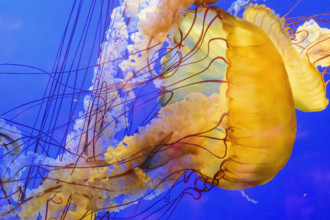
[183, 91]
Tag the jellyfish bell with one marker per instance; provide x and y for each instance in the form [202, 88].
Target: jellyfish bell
[205, 2]
[233, 60]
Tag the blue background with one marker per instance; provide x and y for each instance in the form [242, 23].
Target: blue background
[30, 33]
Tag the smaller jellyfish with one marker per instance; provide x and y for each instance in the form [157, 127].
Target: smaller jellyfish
[226, 90]
[301, 57]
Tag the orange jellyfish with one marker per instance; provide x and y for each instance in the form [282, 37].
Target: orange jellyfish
[228, 90]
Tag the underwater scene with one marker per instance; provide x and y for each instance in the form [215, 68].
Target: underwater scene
[164, 109]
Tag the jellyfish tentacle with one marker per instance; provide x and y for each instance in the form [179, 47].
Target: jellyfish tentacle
[176, 121]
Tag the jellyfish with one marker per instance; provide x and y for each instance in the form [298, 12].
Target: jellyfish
[219, 92]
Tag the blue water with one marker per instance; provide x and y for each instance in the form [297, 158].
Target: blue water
[30, 34]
